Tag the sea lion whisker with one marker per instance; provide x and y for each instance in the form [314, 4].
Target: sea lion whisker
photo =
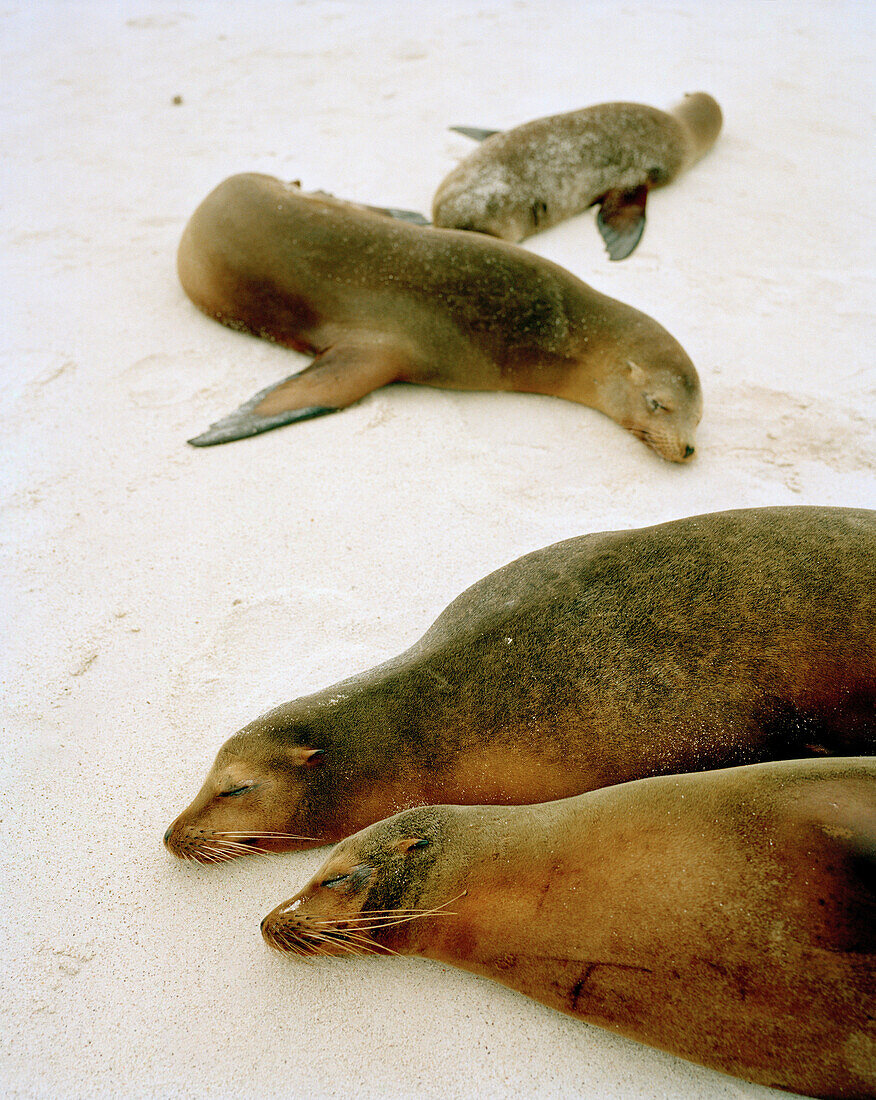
[375, 922]
[265, 835]
[245, 849]
[389, 912]
[289, 943]
[320, 946]
[336, 941]
[215, 855]
[205, 852]
[377, 948]
[356, 946]
[406, 920]
[369, 923]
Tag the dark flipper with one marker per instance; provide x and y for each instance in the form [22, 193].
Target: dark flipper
[245, 422]
[402, 215]
[473, 132]
[621, 220]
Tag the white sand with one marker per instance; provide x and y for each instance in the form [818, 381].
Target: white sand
[160, 596]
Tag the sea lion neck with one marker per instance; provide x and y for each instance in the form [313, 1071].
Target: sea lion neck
[369, 735]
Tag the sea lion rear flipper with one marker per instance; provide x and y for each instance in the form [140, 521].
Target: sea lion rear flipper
[621, 220]
[473, 132]
[336, 378]
[413, 216]
[245, 422]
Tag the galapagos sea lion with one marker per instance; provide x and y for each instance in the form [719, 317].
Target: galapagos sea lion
[728, 917]
[380, 300]
[721, 639]
[527, 179]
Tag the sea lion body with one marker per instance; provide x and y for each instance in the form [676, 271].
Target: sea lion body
[379, 300]
[521, 181]
[722, 639]
[728, 917]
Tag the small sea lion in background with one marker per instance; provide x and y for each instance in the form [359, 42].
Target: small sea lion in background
[722, 639]
[527, 179]
[727, 917]
[380, 300]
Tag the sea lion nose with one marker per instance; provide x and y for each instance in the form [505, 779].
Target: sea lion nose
[262, 925]
[167, 834]
[688, 451]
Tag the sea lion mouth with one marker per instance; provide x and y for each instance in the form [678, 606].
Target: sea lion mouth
[672, 450]
[222, 846]
[294, 933]
[306, 936]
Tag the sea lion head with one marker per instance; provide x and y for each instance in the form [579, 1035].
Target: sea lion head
[652, 389]
[485, 197]
[255, 797]
[375, 894]
[700, 114]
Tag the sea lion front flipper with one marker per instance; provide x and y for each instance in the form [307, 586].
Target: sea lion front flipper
[336, 378]
[621, 220]
[473, 132]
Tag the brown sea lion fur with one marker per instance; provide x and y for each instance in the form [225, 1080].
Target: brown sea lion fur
[728, 917]
[521, 181]
[380, 300]
[728, 638]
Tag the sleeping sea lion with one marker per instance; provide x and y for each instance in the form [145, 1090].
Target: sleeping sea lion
[380, 300]
[721, 639]
[527, 179]
[727, 917]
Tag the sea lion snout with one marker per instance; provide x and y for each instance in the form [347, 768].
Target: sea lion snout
[655, 394]
[247, 804]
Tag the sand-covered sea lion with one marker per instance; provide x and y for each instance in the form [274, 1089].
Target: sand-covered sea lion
[721, 639]
[728, 917]
[527, 179]
[380, 300]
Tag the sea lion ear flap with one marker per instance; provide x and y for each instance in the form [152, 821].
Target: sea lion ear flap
[304, 756]
[407, 844]
[636, 373]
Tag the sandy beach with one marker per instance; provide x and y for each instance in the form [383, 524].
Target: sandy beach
[157, 596]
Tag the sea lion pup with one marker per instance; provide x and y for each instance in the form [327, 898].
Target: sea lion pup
[720, 639]
[380, 300]
[527, 179]
[725, 917]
